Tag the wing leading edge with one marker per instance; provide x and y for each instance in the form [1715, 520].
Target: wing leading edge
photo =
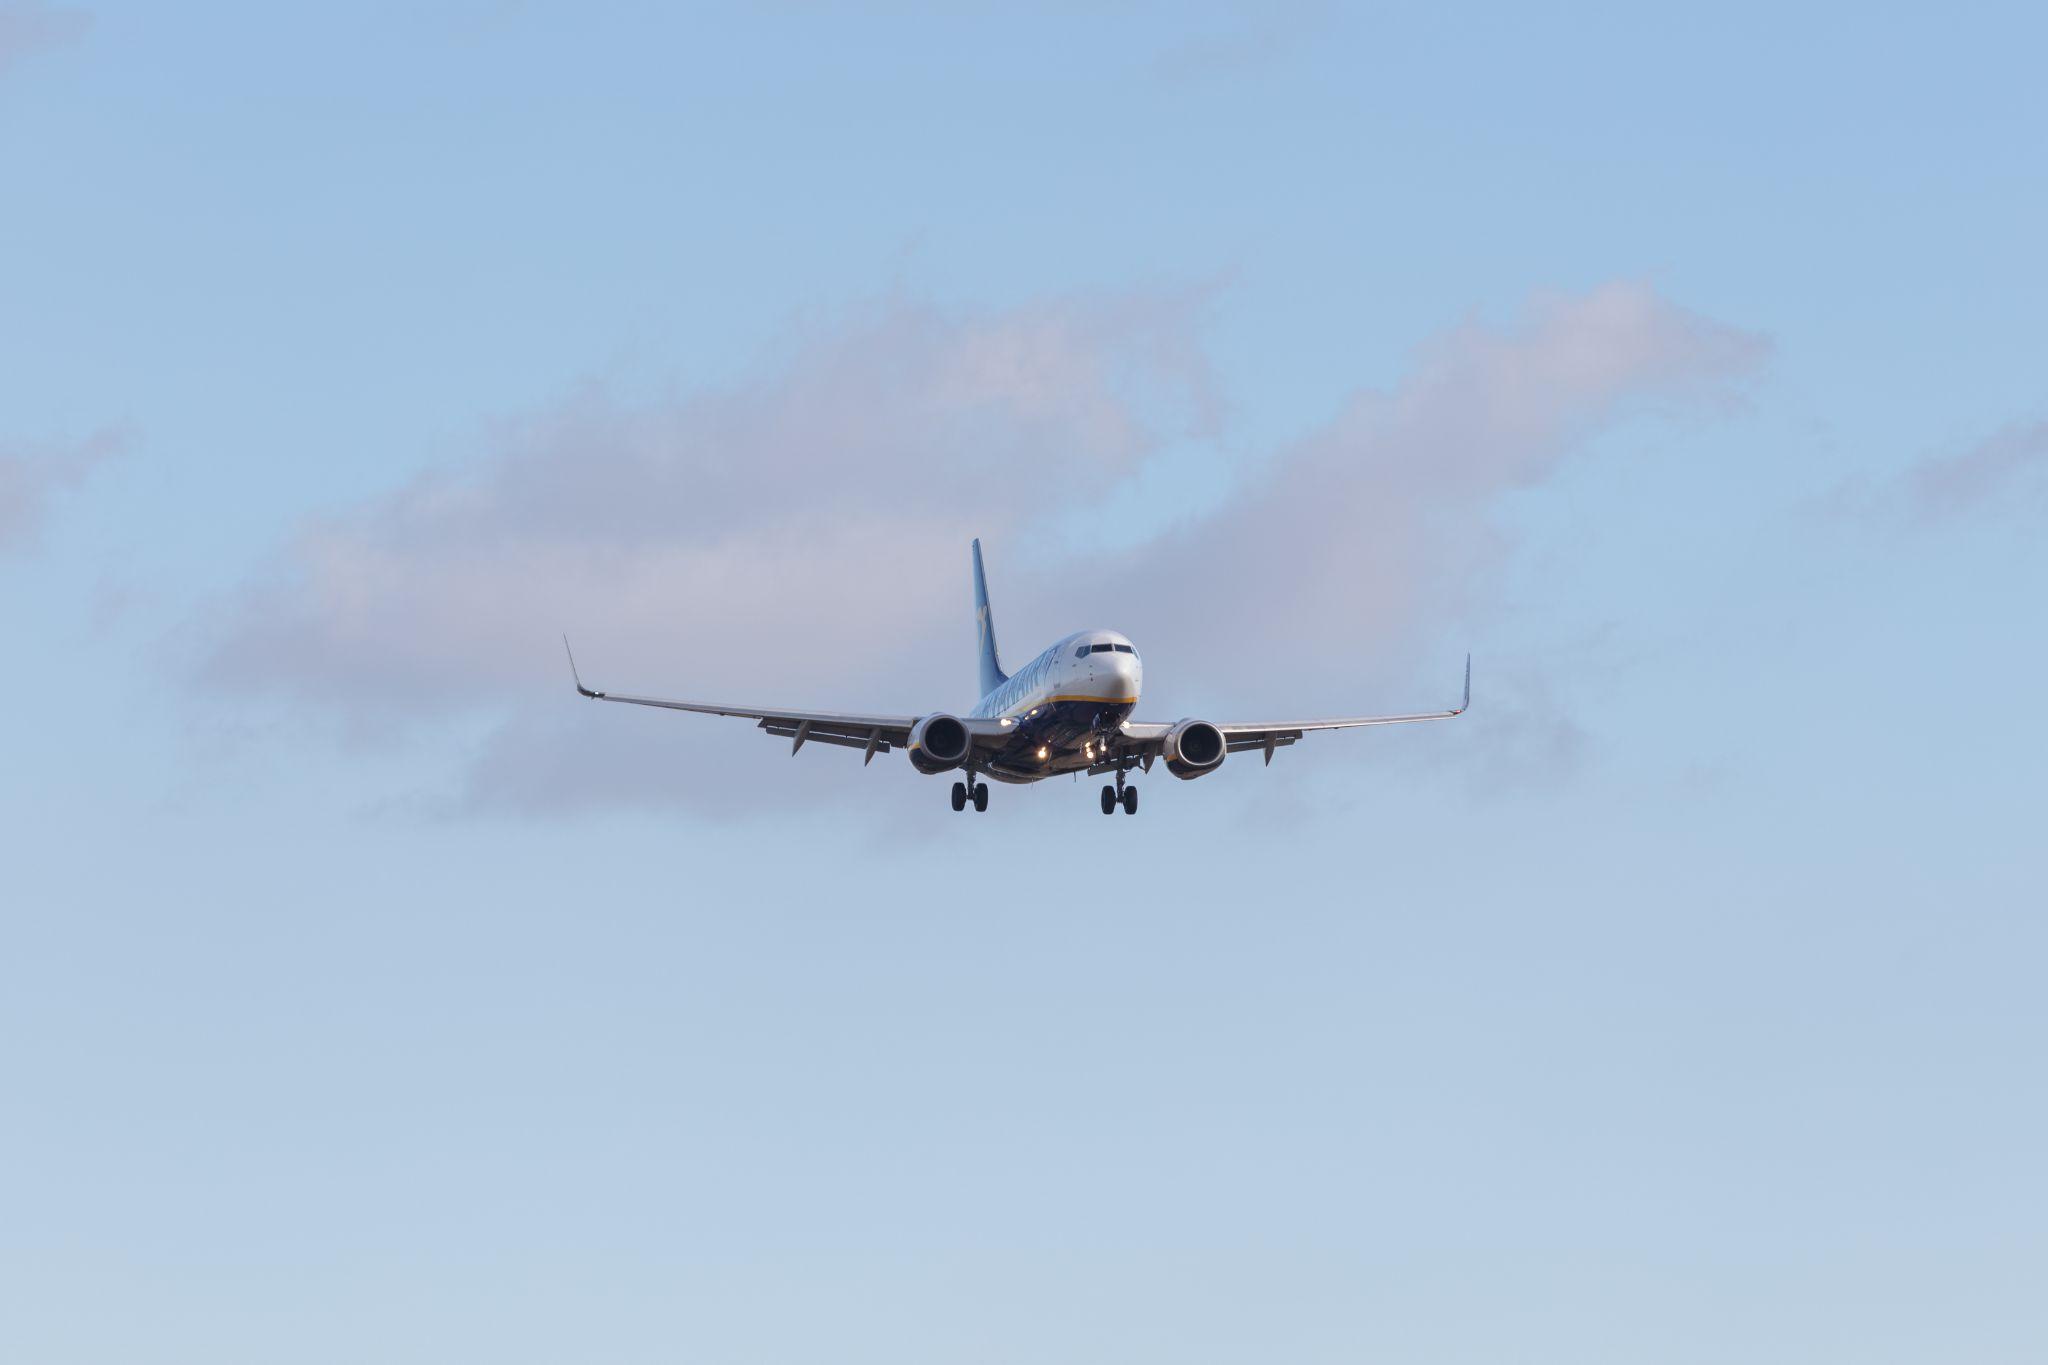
[850, 730]
[1270, 735]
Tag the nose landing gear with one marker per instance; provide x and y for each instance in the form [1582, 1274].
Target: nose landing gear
[1119, 795]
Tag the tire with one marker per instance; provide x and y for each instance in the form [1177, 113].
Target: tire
[959, 796]
[981, 796]
[1130, 800]
[1109, 800]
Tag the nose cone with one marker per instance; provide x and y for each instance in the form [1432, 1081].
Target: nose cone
[1125, 674]
[1105, 668]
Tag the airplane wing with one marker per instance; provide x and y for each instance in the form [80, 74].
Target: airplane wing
[874, 734]
[1146, 736]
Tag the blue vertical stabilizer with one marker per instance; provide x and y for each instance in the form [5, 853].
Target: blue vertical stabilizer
[992, 675]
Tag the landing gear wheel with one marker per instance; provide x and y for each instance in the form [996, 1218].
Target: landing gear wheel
[1108, 800]
[1130, 800]
[981, 796]
[959, 796]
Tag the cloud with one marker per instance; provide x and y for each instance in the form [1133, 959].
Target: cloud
[2003, 471]
[1271, 33]
[800, 514]
[1378, 522]
[2008, 463]
[33, 475]
[28, 29]
[806, 529]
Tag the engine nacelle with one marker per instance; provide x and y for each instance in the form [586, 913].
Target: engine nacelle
[938, 742]
[1192, 748]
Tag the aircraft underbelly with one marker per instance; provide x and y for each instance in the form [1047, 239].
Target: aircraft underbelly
[1060, 728]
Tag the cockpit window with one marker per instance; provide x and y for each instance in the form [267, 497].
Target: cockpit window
[1081, 653]
[1122, 649]
[1100, 649]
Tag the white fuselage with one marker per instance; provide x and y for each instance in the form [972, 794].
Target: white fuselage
[1065, 703]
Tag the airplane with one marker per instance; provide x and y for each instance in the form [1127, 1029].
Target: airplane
[1067, 711]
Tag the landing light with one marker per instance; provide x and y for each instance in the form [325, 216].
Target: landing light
[1042, 751]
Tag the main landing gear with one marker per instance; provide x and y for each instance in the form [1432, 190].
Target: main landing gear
[1119, 795]
[978, 794]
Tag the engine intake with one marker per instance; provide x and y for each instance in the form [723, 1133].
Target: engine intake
[1193, 747]
[938, 742]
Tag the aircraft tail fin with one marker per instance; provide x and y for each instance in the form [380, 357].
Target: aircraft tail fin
[992, 675]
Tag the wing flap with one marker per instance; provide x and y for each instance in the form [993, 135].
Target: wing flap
[1263, 739]
[875, 739]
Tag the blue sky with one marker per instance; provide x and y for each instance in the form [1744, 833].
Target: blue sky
[364, 996]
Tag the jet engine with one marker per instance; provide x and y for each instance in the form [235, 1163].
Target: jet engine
[1193, 747]
[938, 742]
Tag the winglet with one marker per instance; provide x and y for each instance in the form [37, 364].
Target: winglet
[572, 671]
[1467, 701]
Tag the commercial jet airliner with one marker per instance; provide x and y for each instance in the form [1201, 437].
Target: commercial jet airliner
[1066, 711]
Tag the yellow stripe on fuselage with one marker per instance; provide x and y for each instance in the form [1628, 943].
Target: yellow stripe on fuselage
[1026, 708]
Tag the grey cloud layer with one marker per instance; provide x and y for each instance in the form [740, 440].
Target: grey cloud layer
[1379, 519]
[2008, 463]
[796, 518]
[2007, 470]
[806, 529]
[32, 475]
[26, 29]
